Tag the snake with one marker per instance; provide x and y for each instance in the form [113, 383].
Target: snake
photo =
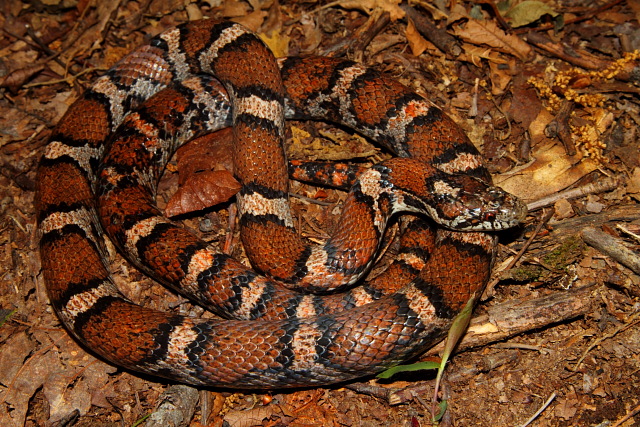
[294, 318]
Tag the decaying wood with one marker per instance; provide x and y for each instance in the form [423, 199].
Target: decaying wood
[360, 39]
[559, 127]
[582, 58]
[500, 322]
[600, 186]
[439, 37]
[518, 316]
[175, 407]
[612, 247]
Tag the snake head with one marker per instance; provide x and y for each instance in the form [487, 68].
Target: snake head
[465, 203]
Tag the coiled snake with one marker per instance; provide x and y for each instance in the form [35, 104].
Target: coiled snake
[279, 336]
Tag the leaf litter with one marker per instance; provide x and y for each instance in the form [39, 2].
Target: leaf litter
[588, 362]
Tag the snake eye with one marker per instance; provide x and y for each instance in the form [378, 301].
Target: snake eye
[489, 217]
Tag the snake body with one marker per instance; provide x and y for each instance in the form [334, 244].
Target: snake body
[100, 171]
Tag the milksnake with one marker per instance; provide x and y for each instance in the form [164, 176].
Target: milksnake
[102, 165]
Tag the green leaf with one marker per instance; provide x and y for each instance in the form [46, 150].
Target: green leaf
[456, 331]
[420, 366]
[442, 408]
[7, 317]
[527, 12]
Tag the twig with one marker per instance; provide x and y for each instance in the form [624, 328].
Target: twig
[69, 79]
[363, 36]
[175, 406]
[631, 322]
[605, 184]
[626, 417]
[489, 289]
[625, 230]
[559, 127]
[440, 38]
[539, 411]
[581, 57]
[578, 18]
[517, 316]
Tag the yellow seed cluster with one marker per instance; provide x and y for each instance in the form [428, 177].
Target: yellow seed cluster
[588, 141]
[559, 86]
[617, 66]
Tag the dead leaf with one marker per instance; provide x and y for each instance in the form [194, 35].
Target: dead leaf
[14, 80]
[201, 191]
[254, 417]
[205, 177]
[500, 77]
[567, 407]
[211, 152]
[252, 20]
[487, 33]
[234, 9]
[47, 370]
[552, 171]
[367, 6]
[527, 12]
[474, 54]
[633, 184]
[417, 43]
[312, 35]
[278, 43]
[563, 209]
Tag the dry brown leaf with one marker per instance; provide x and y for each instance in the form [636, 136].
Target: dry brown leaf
[472, 53]
[92, 39]
[417, 43]
[252, 20]
[552, 171]
[367, 6]
[312, 35]
[234, 9]
[563, 209]
[254, 417]
[633, 184]
[201, 191]
[14, 80]
[278, 43]
[501, 76]
[46, 370]
[487, 33]
[205, 179]
[210, 152]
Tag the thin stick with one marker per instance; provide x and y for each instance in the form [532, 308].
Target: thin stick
[544, 406]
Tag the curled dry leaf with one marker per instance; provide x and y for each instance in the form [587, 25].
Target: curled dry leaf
[205, 179]
[417, 43]
[202, 190]
[14, 80]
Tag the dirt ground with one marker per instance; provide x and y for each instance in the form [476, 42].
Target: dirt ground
[548, 91]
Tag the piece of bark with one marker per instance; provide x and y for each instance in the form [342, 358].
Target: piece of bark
[559, 127]
[175, 408]
[582, 58]
[612, 247]
[439, 37]
[358, 41]
[518, 316]
[568, 226]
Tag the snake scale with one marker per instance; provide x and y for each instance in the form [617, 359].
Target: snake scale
[99, 175]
